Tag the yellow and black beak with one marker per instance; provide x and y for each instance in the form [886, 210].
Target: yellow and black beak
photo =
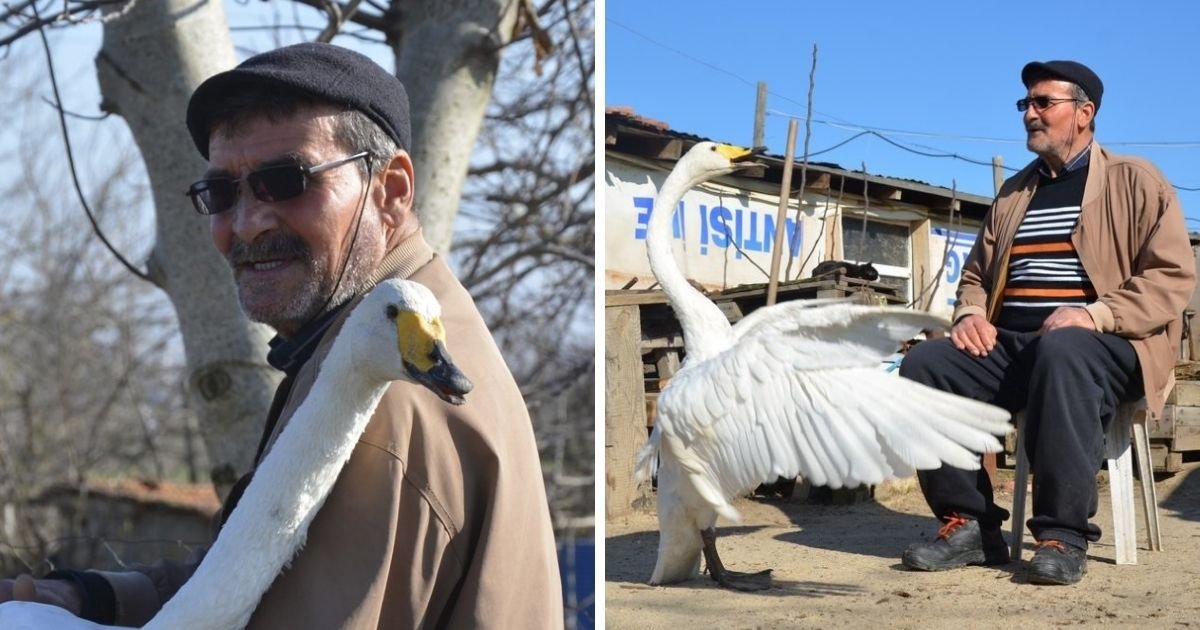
[734, 153]
[443, 378]
[423, 350]
[739, 158]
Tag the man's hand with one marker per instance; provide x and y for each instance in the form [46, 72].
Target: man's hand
[59, 593]
[1068, 317]
[974, 334]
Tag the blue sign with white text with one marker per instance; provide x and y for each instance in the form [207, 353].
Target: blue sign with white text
[743, 229]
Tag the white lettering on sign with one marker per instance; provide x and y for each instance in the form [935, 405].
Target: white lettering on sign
[743, 229]
[725, 236]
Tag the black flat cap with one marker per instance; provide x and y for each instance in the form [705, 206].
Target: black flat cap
[324, 71]
[1072, 71]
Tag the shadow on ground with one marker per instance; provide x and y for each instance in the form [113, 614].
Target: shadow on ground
[868, 529]
[630, 561]
[1184, 500]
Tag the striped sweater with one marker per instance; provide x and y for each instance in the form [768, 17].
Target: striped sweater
[1044, 271]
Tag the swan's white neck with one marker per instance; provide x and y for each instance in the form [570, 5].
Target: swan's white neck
[288, 488]
[706, 330]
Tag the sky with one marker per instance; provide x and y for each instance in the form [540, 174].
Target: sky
[938, 77]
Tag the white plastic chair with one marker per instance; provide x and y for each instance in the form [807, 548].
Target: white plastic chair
[1129, 417]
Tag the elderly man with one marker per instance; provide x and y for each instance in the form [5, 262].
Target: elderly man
[1069, 303]
[440, 517]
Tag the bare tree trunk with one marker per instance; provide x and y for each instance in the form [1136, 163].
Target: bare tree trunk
[447, 55]
[152, 59]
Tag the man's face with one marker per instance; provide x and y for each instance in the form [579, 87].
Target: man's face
[1051, 131]
[286, 255]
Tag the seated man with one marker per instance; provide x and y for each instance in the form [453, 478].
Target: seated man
[1070, 303]
[439, 519]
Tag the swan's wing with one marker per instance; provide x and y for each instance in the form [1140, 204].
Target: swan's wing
[818, 406]
[33, 616]
[874, 331]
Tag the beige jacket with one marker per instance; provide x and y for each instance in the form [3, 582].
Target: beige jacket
[1133, 243]
[439, 519]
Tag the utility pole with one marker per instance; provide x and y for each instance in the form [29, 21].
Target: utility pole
[760, 115]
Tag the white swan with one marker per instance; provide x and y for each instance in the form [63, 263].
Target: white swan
[395, 333]
[792, 389]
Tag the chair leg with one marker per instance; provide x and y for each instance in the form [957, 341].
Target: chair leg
[1141, 441]
[1120, 482]
[1020, 482]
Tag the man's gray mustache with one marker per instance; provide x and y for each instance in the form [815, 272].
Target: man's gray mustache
[267, 248]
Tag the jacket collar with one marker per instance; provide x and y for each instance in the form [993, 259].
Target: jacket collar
[1097, 161]
[289, 354]
[1097, 179]
[1079, 161]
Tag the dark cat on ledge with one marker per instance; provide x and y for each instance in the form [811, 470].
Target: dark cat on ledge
[839, 268]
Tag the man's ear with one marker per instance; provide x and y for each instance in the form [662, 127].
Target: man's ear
[395, 193]
[1086, 113]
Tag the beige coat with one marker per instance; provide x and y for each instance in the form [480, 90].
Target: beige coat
[439, 519]
[1133, 243]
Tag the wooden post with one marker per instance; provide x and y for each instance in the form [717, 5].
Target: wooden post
[989, 459]
[625, 407]
[760, 115]
[922, 275]
[785, 194]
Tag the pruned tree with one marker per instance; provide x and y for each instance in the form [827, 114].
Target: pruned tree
[524, 74]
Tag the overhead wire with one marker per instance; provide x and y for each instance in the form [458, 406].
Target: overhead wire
[880, 132]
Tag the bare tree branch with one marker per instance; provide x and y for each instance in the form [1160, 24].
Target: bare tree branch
[71, 161]
[376, 22]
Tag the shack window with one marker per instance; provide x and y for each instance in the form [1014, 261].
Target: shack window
[882, 243]
[885, 246]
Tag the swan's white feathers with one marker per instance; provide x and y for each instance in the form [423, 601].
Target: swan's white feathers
[856, 333]
[808, 415]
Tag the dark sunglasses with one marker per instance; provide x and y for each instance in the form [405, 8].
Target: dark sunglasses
[273, 183]
[1042, 103]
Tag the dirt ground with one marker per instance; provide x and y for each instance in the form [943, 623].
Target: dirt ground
[838, 566]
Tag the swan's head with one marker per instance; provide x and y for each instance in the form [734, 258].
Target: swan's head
[706, 160]
[397, 334]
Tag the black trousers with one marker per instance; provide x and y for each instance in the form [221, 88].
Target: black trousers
[1069, 382]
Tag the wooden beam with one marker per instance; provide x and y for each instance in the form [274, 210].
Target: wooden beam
[624, 408]
[616, 297]
[822, 182]
[923, 270]
[653, 147]
[885, 192]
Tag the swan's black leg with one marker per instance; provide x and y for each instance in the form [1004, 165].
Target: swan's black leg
[730, 579]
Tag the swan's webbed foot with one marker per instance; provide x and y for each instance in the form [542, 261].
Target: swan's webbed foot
[745, 582]
[736, 580]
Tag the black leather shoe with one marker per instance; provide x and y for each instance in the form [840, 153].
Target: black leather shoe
[1055, 562]
[960, 542]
